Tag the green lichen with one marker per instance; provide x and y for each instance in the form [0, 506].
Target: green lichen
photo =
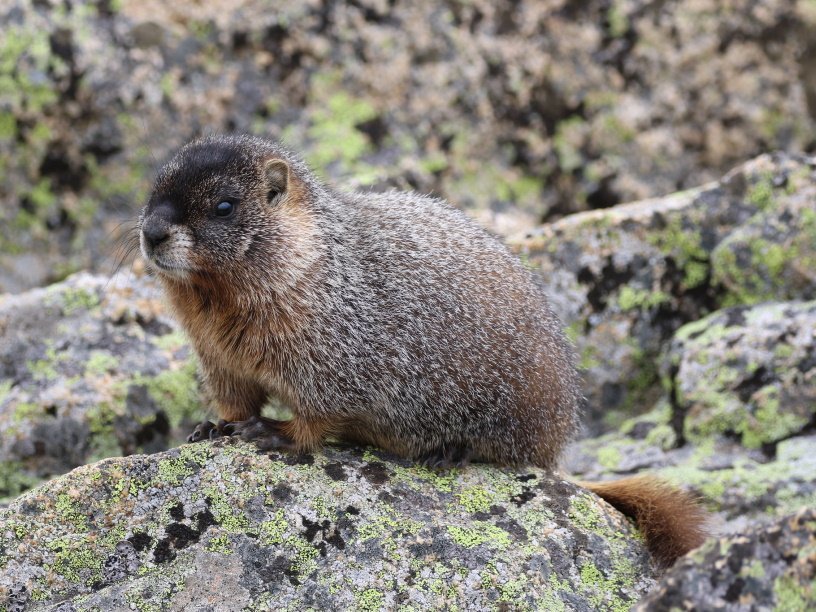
[761, 194]
[370, 600]
[770, 422]
[68, 510]
[99, 363]
[14, 479]
[763, 279]
[617, 20]
[26, 411]
[220, 544]
[609, 457]
[5, 390]
[173, 471]
[684, 246]
[602, 591]
[791, 596]
[631, 298]
[480, 533]
[75, 299]
[226, 514]
[476, 499]
[45, 369]
[569, 135]
[584, 512]
[271, 532]
[386, 525]
[176, 391]
[172, 341]
[703, 331]
[333, 128]
[441, 481]
[75, 560]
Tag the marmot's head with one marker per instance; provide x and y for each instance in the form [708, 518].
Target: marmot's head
[220, 204]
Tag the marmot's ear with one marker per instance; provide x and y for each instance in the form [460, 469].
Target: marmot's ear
[277, 178]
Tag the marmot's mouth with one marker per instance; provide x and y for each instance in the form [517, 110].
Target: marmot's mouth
[169, 269]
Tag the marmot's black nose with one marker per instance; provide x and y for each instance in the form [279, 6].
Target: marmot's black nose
[155, 231]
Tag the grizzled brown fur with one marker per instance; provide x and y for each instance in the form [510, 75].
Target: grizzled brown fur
[388, 319]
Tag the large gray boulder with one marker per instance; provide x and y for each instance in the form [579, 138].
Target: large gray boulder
[219, 526]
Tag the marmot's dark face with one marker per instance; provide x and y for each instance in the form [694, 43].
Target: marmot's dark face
[210, 207]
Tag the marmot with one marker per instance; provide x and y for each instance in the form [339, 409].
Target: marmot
[388, 319]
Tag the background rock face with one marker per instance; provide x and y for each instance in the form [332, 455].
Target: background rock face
[624, 280]
[517, 111]
[221, 525]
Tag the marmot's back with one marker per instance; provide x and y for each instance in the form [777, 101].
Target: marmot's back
[460, 342]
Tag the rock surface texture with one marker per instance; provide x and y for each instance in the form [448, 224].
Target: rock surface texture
[737, 422]
[219, 526]
[89, 368]
[519, 111]
[624, 280]
[767, 568]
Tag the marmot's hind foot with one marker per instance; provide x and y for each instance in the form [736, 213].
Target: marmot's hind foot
[267, 434]
[208, 430]
[456, 456]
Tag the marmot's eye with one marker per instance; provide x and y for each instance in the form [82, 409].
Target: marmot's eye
[224, 209]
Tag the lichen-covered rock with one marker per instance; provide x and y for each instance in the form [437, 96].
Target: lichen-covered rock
[768, 567]
[741, 486]
[625, 279]
[745, 372]
[221, 526]
[519, 111]
[89, 368]
[736, 422]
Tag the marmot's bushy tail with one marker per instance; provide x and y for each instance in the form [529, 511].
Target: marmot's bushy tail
[672, 521]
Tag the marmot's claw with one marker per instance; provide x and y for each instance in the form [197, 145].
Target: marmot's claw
[210, 431]
[225, 428]
[202, 431]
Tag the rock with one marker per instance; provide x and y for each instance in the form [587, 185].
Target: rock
[89, 368]
[517, 111]
[624, 280]
[221, 526]
[746, 373]
[768, 567]
[738, 419]
[740, 486]
[773, 255]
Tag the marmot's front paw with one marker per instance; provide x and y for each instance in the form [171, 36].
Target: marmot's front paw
[267, 434]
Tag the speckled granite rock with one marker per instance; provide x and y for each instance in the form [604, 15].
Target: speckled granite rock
[518, 111]
[767, 568]
[219, 526]
[89, 368]
[738, 421]
[625, 279]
